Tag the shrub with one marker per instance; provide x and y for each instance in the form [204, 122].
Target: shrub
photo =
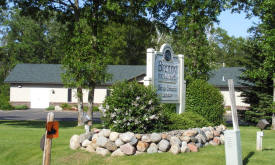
[4, 97]
[65, 106]
[186, 120]
[132, 107]
[50, 108]
[20, 107]
[205, 100]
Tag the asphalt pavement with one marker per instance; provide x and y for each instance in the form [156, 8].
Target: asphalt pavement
[41, 114]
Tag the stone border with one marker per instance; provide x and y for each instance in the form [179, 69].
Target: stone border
[105, 141]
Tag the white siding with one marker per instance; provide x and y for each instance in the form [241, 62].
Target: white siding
[239, 99]
[19, 94]
[59, 95]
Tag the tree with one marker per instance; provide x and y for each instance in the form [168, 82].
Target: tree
[192, 18]
[260, 62]
[227, 49]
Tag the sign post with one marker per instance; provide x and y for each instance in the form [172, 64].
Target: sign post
[165, 72]
[233, 150]
[51, 132]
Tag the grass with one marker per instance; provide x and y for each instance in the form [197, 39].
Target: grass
[19, 144]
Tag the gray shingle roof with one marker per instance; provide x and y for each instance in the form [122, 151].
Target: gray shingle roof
[220, 76]
[51, 74]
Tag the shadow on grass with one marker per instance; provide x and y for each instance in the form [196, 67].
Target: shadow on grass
[268, 149]
[38, 124]
[246, 159]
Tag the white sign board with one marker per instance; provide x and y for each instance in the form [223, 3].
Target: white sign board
[166, 79]
[165, 72]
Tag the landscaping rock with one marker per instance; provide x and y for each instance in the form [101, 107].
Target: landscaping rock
[119, 142]
[184, 147]
[101, 141]
[117, 152]
[74, 142]
[113, 136]
[193, 139]
[217, 140]
[175, 149]
[85, 143]
[163, 145]
[111, 146]
[102, 151]
[138, 136]
[209, 135]
[106, 132]
[84, 136]
[153, 148]
[139, 152]
[185, 138]
[213, 143]
[128, 149]
[142, 146]
[155, 137]
[222, 139]
[217, 133]
[89, 148]
[190, 133]
[146, 138]
[201, 138]
[164, 135]
[192, 147]
[133, 141]
[126, 137]
[57, 108]
[175, 141]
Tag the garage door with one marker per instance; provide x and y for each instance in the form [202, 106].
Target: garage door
[40, 97]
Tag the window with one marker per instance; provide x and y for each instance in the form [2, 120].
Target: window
[69, 95]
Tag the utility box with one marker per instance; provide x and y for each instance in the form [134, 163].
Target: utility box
[262, 124]
[233, 150]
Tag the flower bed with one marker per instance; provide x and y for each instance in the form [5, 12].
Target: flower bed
[105, 141]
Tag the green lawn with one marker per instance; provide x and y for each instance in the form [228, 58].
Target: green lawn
[19, 144]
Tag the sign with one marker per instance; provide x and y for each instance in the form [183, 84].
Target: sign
[52, 129]
[166, 75]
[165, 72]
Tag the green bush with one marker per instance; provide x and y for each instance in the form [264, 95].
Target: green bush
[66, 106]
[20, 107]
[95, 109]
[132, 107]
[50, 108]
[205, 100]
[186, 120]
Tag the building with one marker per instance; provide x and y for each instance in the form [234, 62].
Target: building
[40, 85]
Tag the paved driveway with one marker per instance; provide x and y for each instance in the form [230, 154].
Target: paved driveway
[41, 114]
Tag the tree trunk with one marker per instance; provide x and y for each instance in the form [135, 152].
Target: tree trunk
[90, 103]
[80, 106]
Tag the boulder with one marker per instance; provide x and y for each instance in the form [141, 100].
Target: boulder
[90, 148]
[119, 142]
[74, 142]
[102, 151]
[138, 136]
[133, 141]
[57, 108]
[184, 147]
[85, 136]
[126, 137]
[201, 138]
[164, 135]
[117, 152]
[193, 147]
[128, 149]
[142, 146]
[85, 143]
[111, 146]
[106, 132]
[217, 140]
[113, 136]
[153, 148]
[185, 138]
[193, 139]
[190, 133]
[146, 138]
[222, 139]
[139, 152]
[209, 135]
[101, 141]
[213, 143]
[163, 145]
[155, 137]
[175, 149]
[217, 133]
[175, 141]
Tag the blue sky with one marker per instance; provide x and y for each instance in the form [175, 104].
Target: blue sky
[236, 24]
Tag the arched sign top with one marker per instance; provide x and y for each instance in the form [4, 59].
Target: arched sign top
[167, 52]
